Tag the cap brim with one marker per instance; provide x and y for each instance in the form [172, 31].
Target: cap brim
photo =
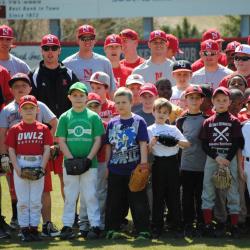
[195, 92]
[222, 92]
[180, 51]
[32, 103]
[83, 91]
[51, 44]
[94, 81]
[187, 70]
[11, 37]
[93, 101]
[159, 38]
[147, 91]
[12, 81]
[134, 82]
[220, 40]
[86, 33]
[112, 44]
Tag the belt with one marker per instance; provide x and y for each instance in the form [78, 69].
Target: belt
[29, 158]
[247, 158]
[221, 151]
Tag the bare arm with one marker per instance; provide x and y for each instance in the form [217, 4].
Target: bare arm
[12, 155]
[107, 152]
[46, 155]
[143, 151]
[95, 148]
[64, 148]
[3, 147]
[53, 123]
[184, 144]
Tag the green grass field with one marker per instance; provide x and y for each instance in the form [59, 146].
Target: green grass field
[130, 243]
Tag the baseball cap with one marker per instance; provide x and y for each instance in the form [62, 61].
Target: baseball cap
[135, 78]
[85, 30]
[149, 88]
[93, 97]
[222, 90]
[28, 99]
[173, 43]
[243, 49]
[129, 33]
[194, 89]
[6, 31]
[158, 34]
[78, 86]
[100, 77]
[232, 46]
[49, 40]
[19, 76]
[212, 34]
[182, 65]
[113, 40]
[209, 45]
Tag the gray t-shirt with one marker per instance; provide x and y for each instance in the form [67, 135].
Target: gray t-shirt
[15, 65]
[84, 68]
[10, 116]
[148, 117]
[201, 76]
[192, 158]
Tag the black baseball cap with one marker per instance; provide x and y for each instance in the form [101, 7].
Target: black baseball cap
[182, 65]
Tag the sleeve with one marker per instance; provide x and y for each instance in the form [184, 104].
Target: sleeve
[25, 68]
[179, 123]
[98, 129]
[142, 134]
[34, 88]
[61, 130]
[3, 119]
[203, 133]
[7, 95]
[178, 135]
[74, 78]
[48, 139]
[1, 98]
[150, 134]
[47, 114]
[11, 139]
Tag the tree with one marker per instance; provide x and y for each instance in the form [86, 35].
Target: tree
[231, 27]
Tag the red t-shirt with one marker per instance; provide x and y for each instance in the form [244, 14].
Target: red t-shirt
[121, 74]
[4, 83]
[108, 110]
[139, 61]
[198, 64]
[29, 139]
[224, 81]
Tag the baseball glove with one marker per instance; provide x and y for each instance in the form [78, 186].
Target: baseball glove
[222, 178]
[5, 166]
[167, 140]
[77, 166]
[32, 174]
[139, 178]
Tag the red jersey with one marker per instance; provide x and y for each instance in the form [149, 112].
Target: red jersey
[243, 116]
[121, 74]
[108, 110]
[29, 139]
[198, 64]
[139, 61]
[4, 83]
[224, 81]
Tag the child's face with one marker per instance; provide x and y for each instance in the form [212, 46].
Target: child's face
[113, 52]
[161, 115]
[165, 90]
[237, 83]
[78, 99]
[221, 102]
[194, 101]
[206, 104]
[182, 77]
[20, 88]
[94, 106]
[29, 112]
[99, 89]
[147, 100]
[236, 106]
[135, 88]
[123, 105]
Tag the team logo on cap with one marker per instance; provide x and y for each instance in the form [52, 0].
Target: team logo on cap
[209, 45]
[50, 39]
[157, 33]
[240, 48]
[181, 64]
[113, 39]
[215, 35]
[5, 31]
[86, 28]
[96, 76]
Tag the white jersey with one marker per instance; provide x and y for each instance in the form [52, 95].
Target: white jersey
[152, 72]
[246, 134]
[84, 68]
[201, 76]
[165, 129]
[15, 65]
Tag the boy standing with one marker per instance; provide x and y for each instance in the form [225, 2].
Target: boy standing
[192, 159]
[79, 134]
[221, 138]
[126, 139]
[21, 138]
[164, 144]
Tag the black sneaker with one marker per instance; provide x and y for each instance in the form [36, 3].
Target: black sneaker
[3, 234]
[14, 224]
[25, 235]
[67, 233]
[49, 230]
[156, 232]
[235, 232]
[189, 230]
[143, 236]
[220, 230]
[94, 233]
[34, 234]
[4, 225]
[178, 233]
[208, 230]
[83, 233]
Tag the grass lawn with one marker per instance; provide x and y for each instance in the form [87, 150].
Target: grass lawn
[130, 243]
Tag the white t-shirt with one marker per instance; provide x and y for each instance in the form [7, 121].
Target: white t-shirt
[84, 68]
[164, 129]
[246, 134]
[201, 76]
[152, 72]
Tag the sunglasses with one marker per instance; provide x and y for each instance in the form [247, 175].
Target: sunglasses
[242, 58]
[209, 53]
[86, 38]
[53, 48]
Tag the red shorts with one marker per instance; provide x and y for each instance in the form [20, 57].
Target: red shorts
[56, 165]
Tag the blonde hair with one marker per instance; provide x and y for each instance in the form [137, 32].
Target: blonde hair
[123, 91]
[160, 103]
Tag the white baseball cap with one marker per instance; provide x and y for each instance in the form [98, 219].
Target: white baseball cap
[243, 48]
[101, 78]
[135, 78]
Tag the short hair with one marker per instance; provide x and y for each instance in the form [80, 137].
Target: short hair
[240, 76]
[123, 91]
[236, 94]
[207, 90]
[163, 81]
[247, 93]
[160, 103]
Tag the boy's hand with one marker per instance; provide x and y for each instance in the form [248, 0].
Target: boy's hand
[243, 176]
[222, 161]
[153, 141]
[18, 171]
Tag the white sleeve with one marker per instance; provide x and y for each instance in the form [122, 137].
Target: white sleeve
[178, 135]
[3, 119]
[46, 113]
[150, 134]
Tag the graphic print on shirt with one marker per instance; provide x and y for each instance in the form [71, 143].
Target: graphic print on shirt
[220, 134]
[87, 73]
[30, 137]
[158, 75]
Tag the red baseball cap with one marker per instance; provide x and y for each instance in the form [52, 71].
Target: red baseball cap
[86, 30]
[19, 76]
[50, 40]
[28, 99]
[93, 97]
[129, 33]
[209, 45]
[149, 88]
[212, 34]
[173, 43]
[6, 31]
[222, 90]
[113, 40]
[232, 46]
[194, 89]
[158, 34]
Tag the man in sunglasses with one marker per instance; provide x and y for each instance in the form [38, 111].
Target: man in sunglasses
[212, 72]
[50, 83]
[242, 64]
[86, 62]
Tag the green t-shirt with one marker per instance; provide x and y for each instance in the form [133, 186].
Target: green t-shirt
[80, 130]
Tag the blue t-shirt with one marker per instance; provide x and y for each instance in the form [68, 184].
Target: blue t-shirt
[124, 137]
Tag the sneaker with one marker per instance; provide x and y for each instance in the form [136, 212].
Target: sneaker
[50, 230]
[94, 233]
[235, 232]
[156, 232]
[34, 234]
[83, 233]
[3, 234]
[143, 236]
[208, 230]
[114, 235]
[189, 231]
[178, 233]
[14, 224]
[4, 225]
[25, 235]
[220, 230]
[67, 233]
